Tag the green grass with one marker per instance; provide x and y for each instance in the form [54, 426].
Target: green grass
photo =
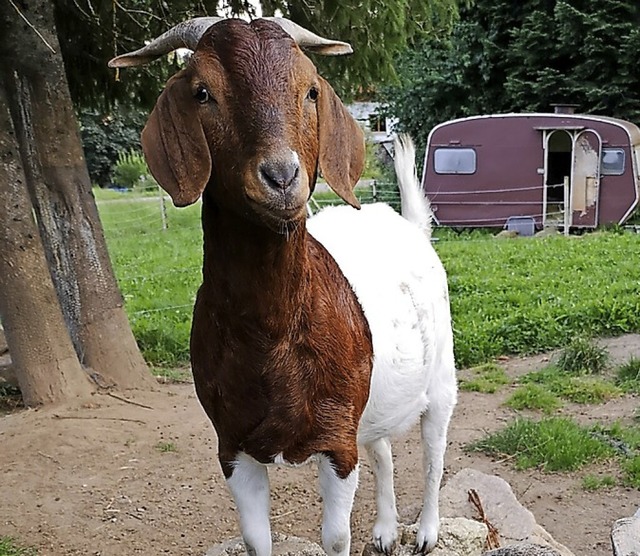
[535, 294]
[8, 547]
[534, 396]
[583, 357]
[552, 444]
[593, 482]
[165, 447]
[577, 389]
[631, 469]
[628, 376]
[519, 297]
[488, 379]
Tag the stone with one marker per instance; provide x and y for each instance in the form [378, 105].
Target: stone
[625, 536]
[515, 524]
[458, 537]
[283, 545]
[523, 549]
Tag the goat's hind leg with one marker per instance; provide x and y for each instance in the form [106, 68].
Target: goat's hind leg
[249, 485]
[385, 530]
[434, 424]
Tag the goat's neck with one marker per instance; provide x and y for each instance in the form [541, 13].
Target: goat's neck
[253, 270]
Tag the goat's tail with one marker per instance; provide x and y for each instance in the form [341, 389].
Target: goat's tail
[413, 203]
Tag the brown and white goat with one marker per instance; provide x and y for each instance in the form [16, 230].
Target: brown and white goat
[304, 343]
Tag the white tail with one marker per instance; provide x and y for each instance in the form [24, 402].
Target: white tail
[414, 205]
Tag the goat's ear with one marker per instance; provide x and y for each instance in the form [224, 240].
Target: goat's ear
[175, 146]
[341, 139]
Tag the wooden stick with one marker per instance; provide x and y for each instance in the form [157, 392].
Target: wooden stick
[125, 400]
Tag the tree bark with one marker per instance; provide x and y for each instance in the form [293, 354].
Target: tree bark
[46, 364]
[60, 190]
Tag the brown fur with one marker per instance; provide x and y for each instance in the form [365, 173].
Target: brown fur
[280, 348]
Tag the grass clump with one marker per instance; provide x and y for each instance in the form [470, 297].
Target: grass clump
[533, 396]
[631, 469]
[164, 447]
[9, 548]
[552, 444]
[583, 357]
[593, 483]
[488, 379]
[628, 376]
[577, 389]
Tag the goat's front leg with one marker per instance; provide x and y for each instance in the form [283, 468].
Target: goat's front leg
[249, 485]
[337, 490]
[385, 530]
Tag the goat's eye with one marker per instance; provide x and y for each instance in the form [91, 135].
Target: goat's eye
[312, 95]
[202, 95]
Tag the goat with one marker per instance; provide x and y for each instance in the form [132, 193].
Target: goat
[306, 340]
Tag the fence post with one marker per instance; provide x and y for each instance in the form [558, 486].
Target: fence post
[163, 209]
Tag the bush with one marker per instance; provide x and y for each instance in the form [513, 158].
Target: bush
[130, 169]
[104, 136]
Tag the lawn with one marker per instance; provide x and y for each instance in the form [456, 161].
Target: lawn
[517, 296]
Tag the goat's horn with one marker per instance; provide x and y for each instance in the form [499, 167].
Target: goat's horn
[310, 41]
[184, 35]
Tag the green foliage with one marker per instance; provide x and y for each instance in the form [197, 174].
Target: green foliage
[553, 444]
[577, 389]
[508, 57]
[378, 29]
[488, 379]
[533, 396]
[8, 547]
[628, 376]
[130, 169]
[593, 482]
[105, 136]
[582, 357]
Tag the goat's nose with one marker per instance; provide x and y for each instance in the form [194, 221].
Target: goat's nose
[279, 174]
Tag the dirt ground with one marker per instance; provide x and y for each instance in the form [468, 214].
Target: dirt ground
[111, 478]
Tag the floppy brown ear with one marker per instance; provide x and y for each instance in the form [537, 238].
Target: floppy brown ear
[175, 146]
[342, 151]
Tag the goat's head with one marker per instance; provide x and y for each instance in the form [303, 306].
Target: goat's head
[251, 118]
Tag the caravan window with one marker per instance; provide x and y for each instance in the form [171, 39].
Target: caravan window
[447, 160]
[612, 162]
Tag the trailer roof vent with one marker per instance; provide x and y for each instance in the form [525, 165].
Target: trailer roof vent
[563, 108]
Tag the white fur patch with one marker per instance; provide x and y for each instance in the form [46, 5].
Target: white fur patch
[402, 287]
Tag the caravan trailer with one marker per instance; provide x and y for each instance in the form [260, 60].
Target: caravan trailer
[555, 169]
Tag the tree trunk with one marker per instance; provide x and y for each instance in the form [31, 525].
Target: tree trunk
[46, 364]
[60, 189]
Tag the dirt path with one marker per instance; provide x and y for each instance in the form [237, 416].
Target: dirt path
[111, 478]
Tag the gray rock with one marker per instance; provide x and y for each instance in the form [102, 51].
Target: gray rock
[523, 549]
[283, 545]
[514, 523]
[458, 537]
[625, 536]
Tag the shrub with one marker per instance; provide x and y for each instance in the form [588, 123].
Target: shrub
[130, 169]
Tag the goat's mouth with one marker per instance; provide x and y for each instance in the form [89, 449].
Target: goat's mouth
[280, 217]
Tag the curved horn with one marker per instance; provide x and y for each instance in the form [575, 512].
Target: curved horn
[184, 35]
[310, 41]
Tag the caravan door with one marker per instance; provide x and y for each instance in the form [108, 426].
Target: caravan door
[585, 179]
